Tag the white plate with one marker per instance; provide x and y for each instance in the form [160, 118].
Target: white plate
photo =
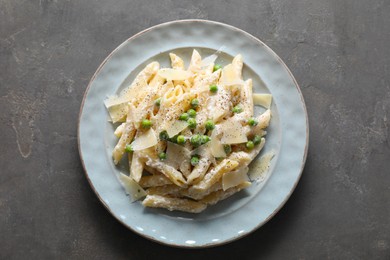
[287, 134]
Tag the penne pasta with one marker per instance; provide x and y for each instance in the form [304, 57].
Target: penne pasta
[127, 136]
[198, 195]
[119, 130]
[237, 66]
[137, 166]
[196, 62]
[217, 196]
[170, 189]
[215, 174]
[153, 180]
[170, 172]
[186, 205]
[199, 171]
[176, 61]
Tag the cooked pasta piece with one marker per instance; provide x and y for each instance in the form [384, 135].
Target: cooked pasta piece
[126, 137]
[170, 172]
[119, 130]
[196, 62]
[186, 205]
[170, 189]
[237, 66]
[198, 195]
[214, 197]
[215, 174]
[136, 90]
[176, 61]
[199, 170]
[153, 180]
[137, 166]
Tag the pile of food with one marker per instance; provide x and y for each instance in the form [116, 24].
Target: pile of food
[189, 134]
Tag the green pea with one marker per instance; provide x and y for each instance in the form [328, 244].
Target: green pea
[250, 145]
[227, 148]
[196, 140]
[184, 117]
[129, 148]
[237, 109]
[163, 135]
[204, 139]
[146, 123]
[191, 112]
[194, 160]
[210, 125]
[157, 102]
[162, 156]
[252, 121]
[174, 139]
[195, 103]
[191, 123]
[213, 88]
[217, 67]
[181, 139]
[257, 139]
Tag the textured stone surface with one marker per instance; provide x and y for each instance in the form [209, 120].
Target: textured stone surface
[338, 52]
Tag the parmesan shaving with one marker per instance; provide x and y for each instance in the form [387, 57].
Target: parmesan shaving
[229, 75]
[118, 112]
[209, 60]
[234, 178]
[233, 132]
[174, 74]
[132, 187]
[263, 100]
[216, 146]
[259, 168]
[203, 150]
[115, 100]
[145, 140]
[176, 128]
[176, 155]
[212, 58]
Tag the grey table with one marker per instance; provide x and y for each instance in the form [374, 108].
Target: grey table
[338, 51]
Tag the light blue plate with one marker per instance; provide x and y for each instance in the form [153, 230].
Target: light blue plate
[287, 135]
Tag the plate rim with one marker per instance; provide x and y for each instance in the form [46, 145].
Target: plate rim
[233, 238]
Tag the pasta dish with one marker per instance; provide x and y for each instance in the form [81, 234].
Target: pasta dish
[188, 134]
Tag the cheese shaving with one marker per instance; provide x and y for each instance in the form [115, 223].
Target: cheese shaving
[234, 178]
[216, 146]
[233, 132]
[132, 187]
[263, 100]
[145, 140]
[177, 154]
[176, 127]
[174, 74]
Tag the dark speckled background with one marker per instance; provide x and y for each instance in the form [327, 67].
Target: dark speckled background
[338, 51]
